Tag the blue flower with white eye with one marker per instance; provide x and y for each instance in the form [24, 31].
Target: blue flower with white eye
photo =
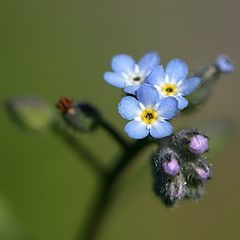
[172, 81]
[148, 113]
[129, 75]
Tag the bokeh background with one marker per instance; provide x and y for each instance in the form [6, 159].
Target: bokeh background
[59, 48]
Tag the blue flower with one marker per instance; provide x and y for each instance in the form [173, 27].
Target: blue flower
[148, 113]
[129, 75]
[173, 82]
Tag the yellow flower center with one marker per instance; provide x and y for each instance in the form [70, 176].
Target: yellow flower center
[169, 89]
[149, 116]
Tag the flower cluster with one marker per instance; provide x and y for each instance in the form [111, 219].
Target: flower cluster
[154, 94]
[181, 170]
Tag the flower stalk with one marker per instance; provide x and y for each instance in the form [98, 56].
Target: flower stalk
[106, 193]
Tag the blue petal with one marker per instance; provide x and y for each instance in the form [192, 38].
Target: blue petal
[114, 79]
[177, 69]
[136, 129]
[168, 107]
[189, 85]
[182, 102]
[131, 89]
[161, 129]
[149, 61]
[129, 108]
[123, 63]
[157, 76]
[148, 95]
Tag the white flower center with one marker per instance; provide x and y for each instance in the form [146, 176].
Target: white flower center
[136, 77]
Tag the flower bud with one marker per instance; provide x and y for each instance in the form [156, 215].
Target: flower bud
[79, 116]
[169, 183]
[197, 172]
[198, 144]
[176, 189]
[30, 113]
[189, 140]
[224, 64]
[204, 172]
[171, 167]
[165, 161]
[170, 190]
[181, 141]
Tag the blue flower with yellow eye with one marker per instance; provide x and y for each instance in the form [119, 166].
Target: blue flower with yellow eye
[130, 75]
[148, 113]
[173, 81]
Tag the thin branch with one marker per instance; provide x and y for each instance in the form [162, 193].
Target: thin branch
[114, 133]
[73, 142]
[105, 197]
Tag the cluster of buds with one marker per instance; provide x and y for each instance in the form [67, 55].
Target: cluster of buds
[181, 170]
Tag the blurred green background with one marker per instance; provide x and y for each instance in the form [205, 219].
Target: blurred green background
[62, 48]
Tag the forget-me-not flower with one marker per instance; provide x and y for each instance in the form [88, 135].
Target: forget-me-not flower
[130, 75]
[173, 82]
[148, 113]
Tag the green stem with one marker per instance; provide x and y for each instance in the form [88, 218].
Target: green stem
[106, 196]
[209, 75]
[114, 133]
[73, 142]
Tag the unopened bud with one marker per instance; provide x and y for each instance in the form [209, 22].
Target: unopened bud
[188, 141]
[224, 64]
[31, 113]
[79, 116]
[203, 172]
[170, 190]
[171, 167]
[169, 182]
[198, 144]
[197, 172]
[165, 161]
[176, 188]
